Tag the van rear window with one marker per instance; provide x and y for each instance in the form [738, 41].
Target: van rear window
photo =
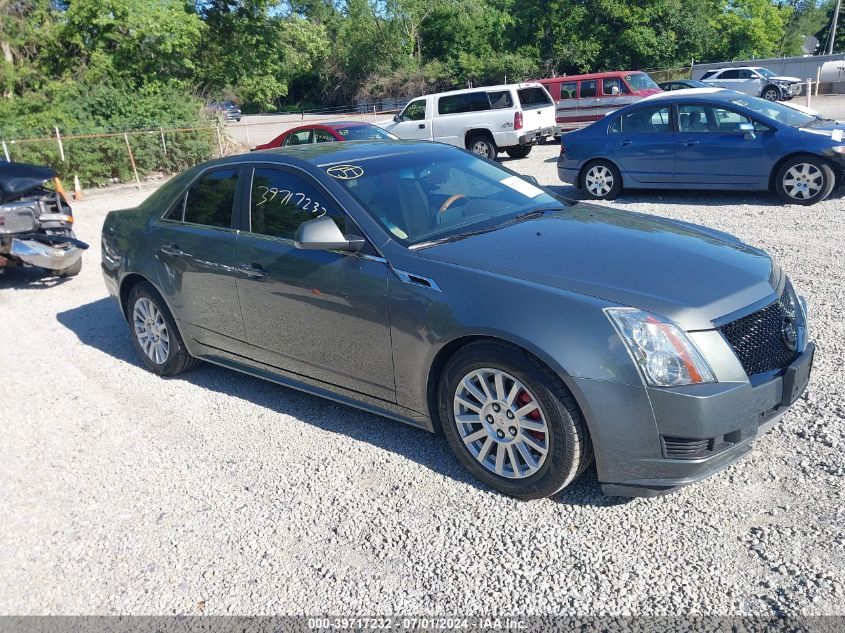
[533, 97]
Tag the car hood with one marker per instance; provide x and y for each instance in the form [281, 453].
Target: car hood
[18, 179]
[688, 273]
[785, 78]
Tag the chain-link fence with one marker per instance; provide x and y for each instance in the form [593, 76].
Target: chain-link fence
[132, 156]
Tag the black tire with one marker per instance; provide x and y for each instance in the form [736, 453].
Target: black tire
[482, 145]
[600, 191]
[71, 271]
[178, 360]
[817, 168]
[570, 451]
[519, 151]
[771, 93]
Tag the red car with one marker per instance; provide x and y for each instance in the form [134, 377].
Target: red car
[328, 133]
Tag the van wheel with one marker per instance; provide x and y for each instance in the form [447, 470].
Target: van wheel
[771, 93]
[511, 421]
[518, 151]
[482, 146]
[601, 180]
[804, 180]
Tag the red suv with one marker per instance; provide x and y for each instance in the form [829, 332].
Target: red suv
[581, 99]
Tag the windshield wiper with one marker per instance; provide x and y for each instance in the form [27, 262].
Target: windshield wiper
[521, 217]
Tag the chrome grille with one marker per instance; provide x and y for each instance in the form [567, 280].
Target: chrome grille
[758, 341]
[17, 219]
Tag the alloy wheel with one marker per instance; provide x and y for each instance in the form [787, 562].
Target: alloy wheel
[481, 148]
[151, 330]
[501, 423]
[803, 181]
[771, 95]
[599, 180]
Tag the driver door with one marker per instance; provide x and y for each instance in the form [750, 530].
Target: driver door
[320, 314]
[414, 122]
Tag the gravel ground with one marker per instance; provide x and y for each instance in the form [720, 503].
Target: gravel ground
[215, 492]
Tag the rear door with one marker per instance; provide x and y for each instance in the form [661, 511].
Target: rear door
[588, 101]
[195, 260]
[643, 143]
[320, 314]
[538, 109]
[728, 79]
[567, 105]
[414, 122]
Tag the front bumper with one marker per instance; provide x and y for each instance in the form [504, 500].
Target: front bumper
[535, 136]
[637, 430]
[57, 256]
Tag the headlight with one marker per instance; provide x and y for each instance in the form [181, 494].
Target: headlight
[663, 352]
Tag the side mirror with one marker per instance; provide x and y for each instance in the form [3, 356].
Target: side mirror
[747, 130]
[396, 118]
[322, 234]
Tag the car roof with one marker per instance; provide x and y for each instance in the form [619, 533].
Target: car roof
[527, 84]
[320, 154]
[690, 93]
[611, 73]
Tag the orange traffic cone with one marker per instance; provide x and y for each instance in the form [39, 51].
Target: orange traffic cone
[77, 190]
[60, 189]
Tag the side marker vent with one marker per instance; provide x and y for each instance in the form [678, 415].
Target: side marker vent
[416, 280]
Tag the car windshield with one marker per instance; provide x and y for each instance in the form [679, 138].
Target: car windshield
[363, 133]
[641, 81]
[766, 72]
[438, 193]
[777, 111]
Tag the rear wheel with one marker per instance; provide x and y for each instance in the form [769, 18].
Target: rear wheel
[601, 180]
[771, 93]
[518, 151]
[511, 421]
[154, 333]
[804, 180]
[482, 146]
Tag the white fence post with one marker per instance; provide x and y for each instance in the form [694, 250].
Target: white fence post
[6, 152]
[809, 91]
[163, 144]
[61, 147]
[219, 140]
[132, 160]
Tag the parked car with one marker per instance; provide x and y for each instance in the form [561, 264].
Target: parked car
[582, 99]
[755, 81]
[682, 84]
[421, 282]
[706, 138]
[485, 120]
[36, 222]
[328, 132]
[228, 110]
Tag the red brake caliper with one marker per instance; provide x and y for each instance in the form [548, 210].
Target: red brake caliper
[521, 400]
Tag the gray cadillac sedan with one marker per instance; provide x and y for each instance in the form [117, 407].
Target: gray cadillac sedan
[419, 282]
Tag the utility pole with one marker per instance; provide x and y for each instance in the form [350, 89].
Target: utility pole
[833, 27]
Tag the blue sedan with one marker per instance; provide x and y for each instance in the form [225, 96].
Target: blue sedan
[706, 139]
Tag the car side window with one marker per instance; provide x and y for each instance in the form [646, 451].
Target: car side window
[588, 89]
[729, 74]
[302, 137]
[467, 102]
[614, 86]
[211, 198]
[645, 120]
[568, 89]
[282, 200]
[322, 136]
[705, 118]
[500, 99]
[414, 111]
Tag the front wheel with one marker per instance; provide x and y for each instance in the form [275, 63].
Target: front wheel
[482, 146]
[804, 180]
[511, 421]
[518, 151]
[154, 333]
[771, 94]
[72, 270]
[601, 180]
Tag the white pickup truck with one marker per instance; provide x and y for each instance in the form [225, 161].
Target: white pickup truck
[483, 120]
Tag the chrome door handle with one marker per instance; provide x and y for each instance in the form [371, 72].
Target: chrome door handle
[254, 270]
[173, 251]
[626, 142]
[690, 142]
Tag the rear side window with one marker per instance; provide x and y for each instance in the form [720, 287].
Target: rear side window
[729, 74]
[588, 88]
[643, 121]
[500, 99]
[322, 136]
[211, 199]
[469, 102]
[708, 74]
[533, 98]
[568, 90]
